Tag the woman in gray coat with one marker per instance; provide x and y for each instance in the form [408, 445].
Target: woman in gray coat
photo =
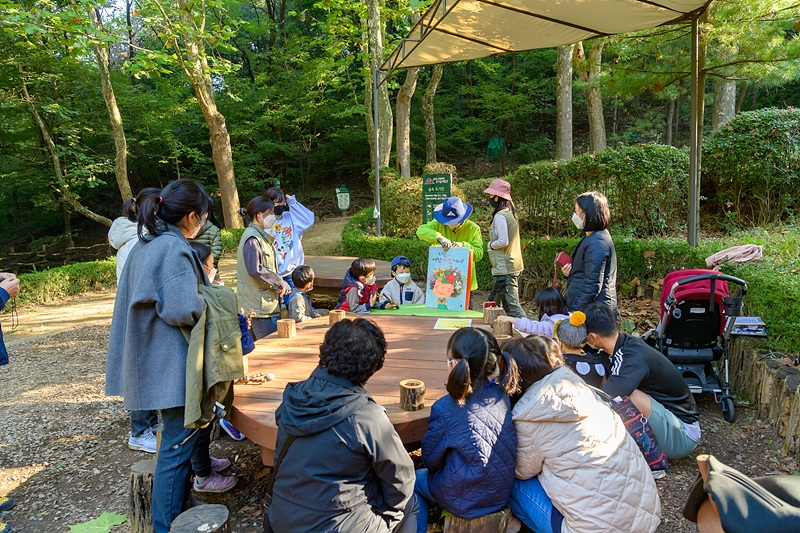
[157, 296]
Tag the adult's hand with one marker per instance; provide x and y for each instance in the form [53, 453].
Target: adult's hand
[566, 269]
[445, 243]
[284, 289]
[10, 283]
[457, 245]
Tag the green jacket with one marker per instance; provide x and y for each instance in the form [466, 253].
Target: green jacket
[468, 233]
[211, 237]
[214, 358]
[252, 293]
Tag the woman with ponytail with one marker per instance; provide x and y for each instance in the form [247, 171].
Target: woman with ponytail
[259, 288]
[157, 297]
[469, 449]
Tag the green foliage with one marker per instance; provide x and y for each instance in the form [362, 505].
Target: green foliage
[230, 240]
[753, 164]
[102, 524]
[61, 282]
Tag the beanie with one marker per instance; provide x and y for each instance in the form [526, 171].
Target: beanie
[572, 332]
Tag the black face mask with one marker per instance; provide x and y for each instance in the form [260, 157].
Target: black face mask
[494, 202]
[281, 209]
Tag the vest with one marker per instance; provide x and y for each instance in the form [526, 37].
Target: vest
[252, 293]
[506, 260]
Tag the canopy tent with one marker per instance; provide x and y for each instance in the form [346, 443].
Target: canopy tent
[459, 30]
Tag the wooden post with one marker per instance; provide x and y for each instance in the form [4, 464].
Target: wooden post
[501, 327]
[490, 523]
[140, 497]
[412, 395]
[491, 313]
[286, 328]
[335, 316]
[206, 518]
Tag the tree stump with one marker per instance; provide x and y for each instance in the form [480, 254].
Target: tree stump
[412, 395]
[491, 313]
[501, 327]
[490, 523]
[335, 316]
[502, 339]
[205, 518]
[286, 328]
[140, 497]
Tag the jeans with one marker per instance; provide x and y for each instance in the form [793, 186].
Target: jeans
[507, 294]
[261, 327]
[287, 279]
[181, 450]
[423, 494]
[141, 420]
[531, 504]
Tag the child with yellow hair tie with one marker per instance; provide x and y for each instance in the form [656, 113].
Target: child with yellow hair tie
[571, 334]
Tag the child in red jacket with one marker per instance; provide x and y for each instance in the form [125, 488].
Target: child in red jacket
[359, 291]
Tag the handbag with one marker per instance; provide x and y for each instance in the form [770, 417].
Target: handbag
[247, 340]
[638, 427]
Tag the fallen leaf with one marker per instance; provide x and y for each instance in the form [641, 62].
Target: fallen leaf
[649, 254]
[101, 524]
[545, 238]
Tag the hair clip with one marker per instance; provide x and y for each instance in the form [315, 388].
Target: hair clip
[160, 199]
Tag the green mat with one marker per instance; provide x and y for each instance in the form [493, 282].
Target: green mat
[421, 310]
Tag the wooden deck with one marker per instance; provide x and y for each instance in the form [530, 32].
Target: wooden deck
[416, 351]
[329, 271]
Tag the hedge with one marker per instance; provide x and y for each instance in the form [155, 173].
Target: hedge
[774, 286]
[61, 282]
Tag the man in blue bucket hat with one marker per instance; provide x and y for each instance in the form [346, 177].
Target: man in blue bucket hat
[451, 229]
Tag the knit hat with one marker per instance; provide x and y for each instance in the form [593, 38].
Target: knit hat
[572, 332]
[400, 260]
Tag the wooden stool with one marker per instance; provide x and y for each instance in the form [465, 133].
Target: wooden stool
[140, 497]
[412, 395]
[286, 328]
[491, 313]
[501, 327]
[490, 523]
[206, 518]
[335, 316]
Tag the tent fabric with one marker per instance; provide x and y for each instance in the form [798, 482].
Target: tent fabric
[459, 30]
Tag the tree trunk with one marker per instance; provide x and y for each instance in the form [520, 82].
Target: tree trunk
[375, 53]
[197, 71]
[129, 27]
[724, 102]
[59, 184]
[670, 118]
[588, 67]
[121, 159]
[564, 102]
[427, 113]
[403, 140]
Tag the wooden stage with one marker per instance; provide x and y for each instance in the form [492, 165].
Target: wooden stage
[329, 272]
[415, 351]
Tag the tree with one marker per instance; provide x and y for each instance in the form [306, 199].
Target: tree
[564, 102]
[373, 58]
[588, 67]
[427, 113]
[404, 96]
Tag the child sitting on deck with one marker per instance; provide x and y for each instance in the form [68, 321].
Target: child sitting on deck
[401, 289]
[300, 308]
[571, 334]
[552, 307]
[359, 291]
[470, 447]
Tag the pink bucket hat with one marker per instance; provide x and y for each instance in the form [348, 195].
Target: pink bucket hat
[499, 188]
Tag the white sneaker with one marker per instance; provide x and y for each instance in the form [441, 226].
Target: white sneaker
[659, 474]
[146, 442]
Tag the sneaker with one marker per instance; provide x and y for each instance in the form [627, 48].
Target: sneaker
[6, 503]
[146, 442]
[5, 528]
[659, 474]
[218, 465]
[215, 483]
[234, 433]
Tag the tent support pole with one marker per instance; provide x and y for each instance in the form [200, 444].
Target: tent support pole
[377, 150]
[695, 137]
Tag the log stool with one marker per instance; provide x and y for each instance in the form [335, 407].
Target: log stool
[140, 497]
[412, 395]
[491, 313]
[490, 523]
[205, 518]
[501, 327]
[286, 328]
[335, 316]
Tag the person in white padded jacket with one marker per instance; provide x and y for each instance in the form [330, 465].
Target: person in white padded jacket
[578, 469]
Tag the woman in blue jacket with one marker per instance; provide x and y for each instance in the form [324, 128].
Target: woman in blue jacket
[470, 447]
[592, 275]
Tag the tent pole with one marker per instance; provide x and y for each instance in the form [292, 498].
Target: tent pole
[377, 150]
[694, 137]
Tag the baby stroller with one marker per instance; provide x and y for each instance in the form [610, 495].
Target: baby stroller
[694, 330]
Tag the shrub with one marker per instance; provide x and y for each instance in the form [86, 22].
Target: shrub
[753, 164]
[61, 282]
[230, 240]
[401, 205]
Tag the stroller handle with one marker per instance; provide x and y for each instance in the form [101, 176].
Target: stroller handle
[701, 277]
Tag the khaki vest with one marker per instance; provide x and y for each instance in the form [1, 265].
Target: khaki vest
[506, 260]
[251, 293]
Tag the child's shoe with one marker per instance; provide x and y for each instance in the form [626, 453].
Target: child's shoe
[215, 483]
[232, 432]
[6, 503]
[218, 465]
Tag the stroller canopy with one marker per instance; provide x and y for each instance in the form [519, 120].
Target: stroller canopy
[696, 290]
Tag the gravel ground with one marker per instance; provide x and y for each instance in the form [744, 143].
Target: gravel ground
[64, 459]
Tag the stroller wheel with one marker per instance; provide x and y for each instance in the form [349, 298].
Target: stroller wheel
[728, 409]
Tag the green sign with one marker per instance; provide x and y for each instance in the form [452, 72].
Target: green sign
[436, 188]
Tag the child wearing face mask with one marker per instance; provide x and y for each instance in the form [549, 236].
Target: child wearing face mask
[401, 289]
[259, 287]
[359, 291]
[300, 308]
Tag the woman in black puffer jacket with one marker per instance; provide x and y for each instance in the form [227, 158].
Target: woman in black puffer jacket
[592, 275]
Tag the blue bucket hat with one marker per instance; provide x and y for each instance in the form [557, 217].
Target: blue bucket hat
[453, 211]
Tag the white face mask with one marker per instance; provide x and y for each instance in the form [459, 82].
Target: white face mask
[268, 221]
[577, 220]
[403, 277]
[212, 273]
[370, 280]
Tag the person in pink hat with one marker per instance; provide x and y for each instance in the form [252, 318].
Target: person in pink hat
[505, 252]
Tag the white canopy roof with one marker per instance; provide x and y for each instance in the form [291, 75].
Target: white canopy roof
[458, 30]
